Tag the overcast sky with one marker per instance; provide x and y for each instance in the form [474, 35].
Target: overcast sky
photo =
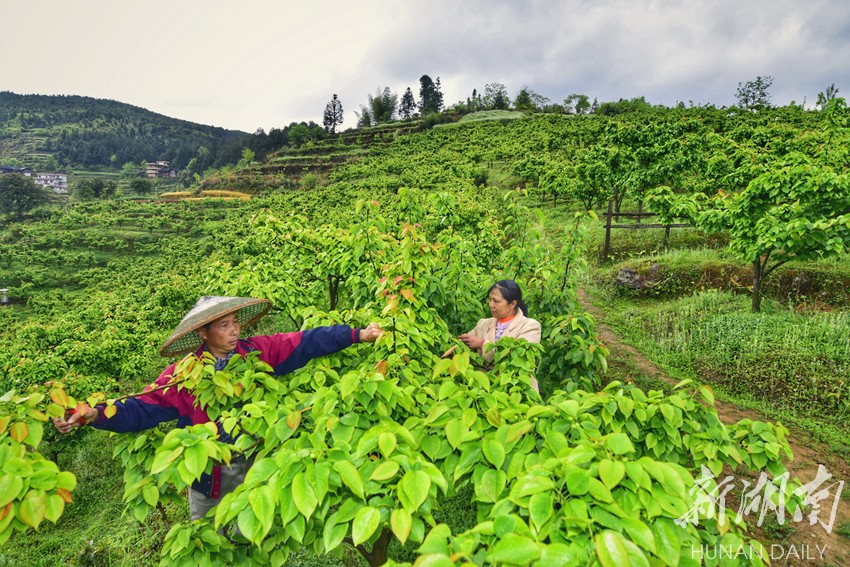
[265, 63]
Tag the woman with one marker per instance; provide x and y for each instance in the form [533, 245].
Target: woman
[509, 319]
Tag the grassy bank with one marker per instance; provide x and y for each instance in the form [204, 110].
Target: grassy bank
[790, 365]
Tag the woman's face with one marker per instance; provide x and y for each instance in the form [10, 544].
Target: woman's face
[499, 307]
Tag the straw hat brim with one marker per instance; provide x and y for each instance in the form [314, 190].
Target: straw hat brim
[185, 339]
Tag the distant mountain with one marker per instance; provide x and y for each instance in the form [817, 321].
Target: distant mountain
[84, 132]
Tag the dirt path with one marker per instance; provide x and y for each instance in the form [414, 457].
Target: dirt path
[795, 543]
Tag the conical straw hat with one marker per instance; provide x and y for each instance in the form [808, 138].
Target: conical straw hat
[184, 339]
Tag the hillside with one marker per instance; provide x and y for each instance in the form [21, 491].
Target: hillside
[87, 132]
[364, 450]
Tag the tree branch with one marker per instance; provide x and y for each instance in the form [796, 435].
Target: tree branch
[158, 388]
[767, 271]
[363, 551]
[164, 517]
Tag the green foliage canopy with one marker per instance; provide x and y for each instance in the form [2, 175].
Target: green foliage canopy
[19, 194]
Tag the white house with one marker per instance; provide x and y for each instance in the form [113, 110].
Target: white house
[58, 182]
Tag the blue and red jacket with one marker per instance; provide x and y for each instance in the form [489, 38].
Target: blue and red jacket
[284, 352]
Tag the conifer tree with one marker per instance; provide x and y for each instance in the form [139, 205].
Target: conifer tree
[430, 97]
[407, 106]
[333, 115]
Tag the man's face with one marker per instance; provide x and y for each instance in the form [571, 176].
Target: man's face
[221, 335]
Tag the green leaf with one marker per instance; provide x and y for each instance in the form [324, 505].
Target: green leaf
[297, 528]
[514, 549]
[54, 506]
[619, 443]
[494, 418]
[184, 474]
[638, 475]
[349, 384]
[33, 508]
[196, 459]
[598, 490]
[262, 504]
[34, 435]
[540, 509]
[517, 430]
[385, 471]
[434, 560]
[626, 406]
[351, 477]
[415, 485]
[455, 431]
[530, 484]
[436, 541]
[611, 472]
[10, 488]
[250, 525]
[401, 522]
[151, 494]
[578, 480]
[637, 556]
[164, 459]
[364, 525]
[447, 388]
[556, 555]
[640, 533]
[387, 443]
[667, 540]
[260, 472]
[611, 549]
[333, 535]
[494, 452]
[489, 488]
[66, 480]
[303, 495]
[580, 455]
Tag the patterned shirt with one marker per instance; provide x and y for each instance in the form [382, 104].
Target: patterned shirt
[502, 326]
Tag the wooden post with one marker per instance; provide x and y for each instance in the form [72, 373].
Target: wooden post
[608, 230]
[640, 210]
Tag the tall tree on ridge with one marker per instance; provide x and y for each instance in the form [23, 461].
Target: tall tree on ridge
[523, 100]
[826, 95]
[333, 115]
[496, 96]
[753, 95]
[382, 106]
[408, 105]
[430, 97]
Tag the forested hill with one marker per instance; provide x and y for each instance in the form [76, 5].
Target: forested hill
[80, 131]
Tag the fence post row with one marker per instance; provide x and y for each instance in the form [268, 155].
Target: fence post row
[637, 224]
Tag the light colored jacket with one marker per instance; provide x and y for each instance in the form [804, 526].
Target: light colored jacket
[520, 327]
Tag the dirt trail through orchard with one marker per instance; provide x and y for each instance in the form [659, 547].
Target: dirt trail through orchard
[795, 543]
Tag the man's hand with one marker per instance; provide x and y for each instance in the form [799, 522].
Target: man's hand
[371, 333]
[83, 415]
[472, 341]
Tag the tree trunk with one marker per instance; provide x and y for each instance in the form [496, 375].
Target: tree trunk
[381, 548]
[757, 278]
[609, 215]
[333, 291]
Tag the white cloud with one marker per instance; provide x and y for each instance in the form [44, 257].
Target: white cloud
[264, 63]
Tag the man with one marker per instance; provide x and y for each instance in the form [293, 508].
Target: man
[214, 325]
